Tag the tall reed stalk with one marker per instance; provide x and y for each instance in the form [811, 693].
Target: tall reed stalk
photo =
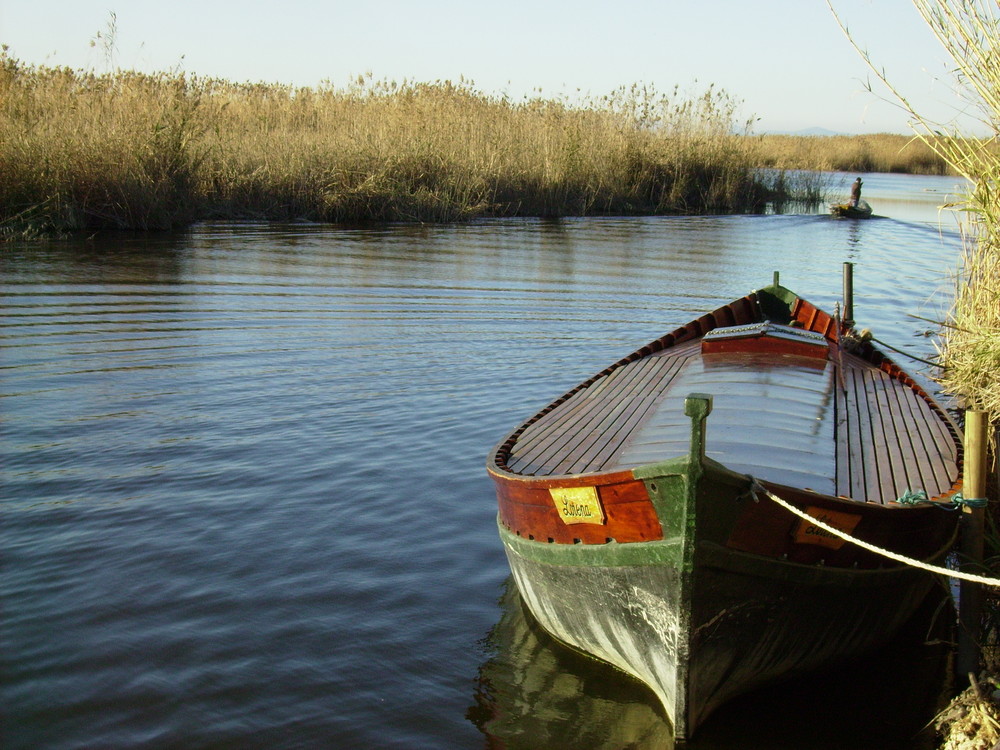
[969, 30]
[124, 149]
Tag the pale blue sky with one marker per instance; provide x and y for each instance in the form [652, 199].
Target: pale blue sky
[787, 60]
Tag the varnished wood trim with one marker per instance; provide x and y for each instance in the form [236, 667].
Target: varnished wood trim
[527, 509]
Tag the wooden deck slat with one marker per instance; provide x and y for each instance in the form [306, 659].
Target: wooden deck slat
[923, 465]
[884, 448]
[586, 440]
[863, 473]
[639, 414]
[610, 434]
[926, 433]
[896, 454]
[616, 401]
[572, 420]
[943, 439]
[541, 435]
[911, 426]
[842, 434]
[550, 432]
[552, 436]
[554, 431]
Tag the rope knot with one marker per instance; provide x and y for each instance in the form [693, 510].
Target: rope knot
[911, 498]
[919, 497]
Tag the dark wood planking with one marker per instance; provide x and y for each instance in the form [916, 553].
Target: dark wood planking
[739, 312]
[639, 414]
[548, 436]
[595, 452]
[563, 436]
[842, 436]
[909, 424]
[635, 386]
[886, 443]
[887, 437]
[866, 478]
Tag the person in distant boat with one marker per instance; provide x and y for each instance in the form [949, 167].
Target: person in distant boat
[856, 192]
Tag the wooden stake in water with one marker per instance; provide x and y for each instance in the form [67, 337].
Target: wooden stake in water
[849, 295]
[971, 547]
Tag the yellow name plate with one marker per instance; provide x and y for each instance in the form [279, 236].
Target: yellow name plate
[578, 504]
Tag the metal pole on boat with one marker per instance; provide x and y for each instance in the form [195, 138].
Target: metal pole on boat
[849, 294]
[970, 602]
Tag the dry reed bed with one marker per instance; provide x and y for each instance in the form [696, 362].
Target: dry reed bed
[970, 33]
[130, 150]
[879, 152]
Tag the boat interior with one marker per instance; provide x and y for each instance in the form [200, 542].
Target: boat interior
[790, 404]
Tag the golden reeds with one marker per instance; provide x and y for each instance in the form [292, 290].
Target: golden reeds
[879, 152]
[969, 31]
[124, 149]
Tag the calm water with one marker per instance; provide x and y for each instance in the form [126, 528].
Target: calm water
[243, 488]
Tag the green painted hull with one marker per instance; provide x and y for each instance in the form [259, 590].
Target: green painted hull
[699, 623]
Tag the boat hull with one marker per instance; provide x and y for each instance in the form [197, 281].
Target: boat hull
[626, 615]
[861, 211]
[700, 623]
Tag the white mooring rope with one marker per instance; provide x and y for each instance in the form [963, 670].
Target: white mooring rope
[757, 486]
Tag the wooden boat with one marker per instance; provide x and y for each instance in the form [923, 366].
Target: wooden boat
[861, 211]
[645, 533]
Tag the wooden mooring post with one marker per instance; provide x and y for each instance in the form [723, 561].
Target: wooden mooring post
[848, 316]
[970, 602]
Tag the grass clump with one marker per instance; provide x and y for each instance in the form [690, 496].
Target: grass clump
[970, 32]
[970, 722]
[130, 150]
[79, 150]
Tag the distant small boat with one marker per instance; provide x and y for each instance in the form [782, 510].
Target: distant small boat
[861, 211]
[643, 533]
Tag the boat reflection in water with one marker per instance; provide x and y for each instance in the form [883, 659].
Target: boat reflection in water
[534, 692]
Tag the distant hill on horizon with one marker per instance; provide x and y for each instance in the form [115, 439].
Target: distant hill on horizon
[815, 131]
